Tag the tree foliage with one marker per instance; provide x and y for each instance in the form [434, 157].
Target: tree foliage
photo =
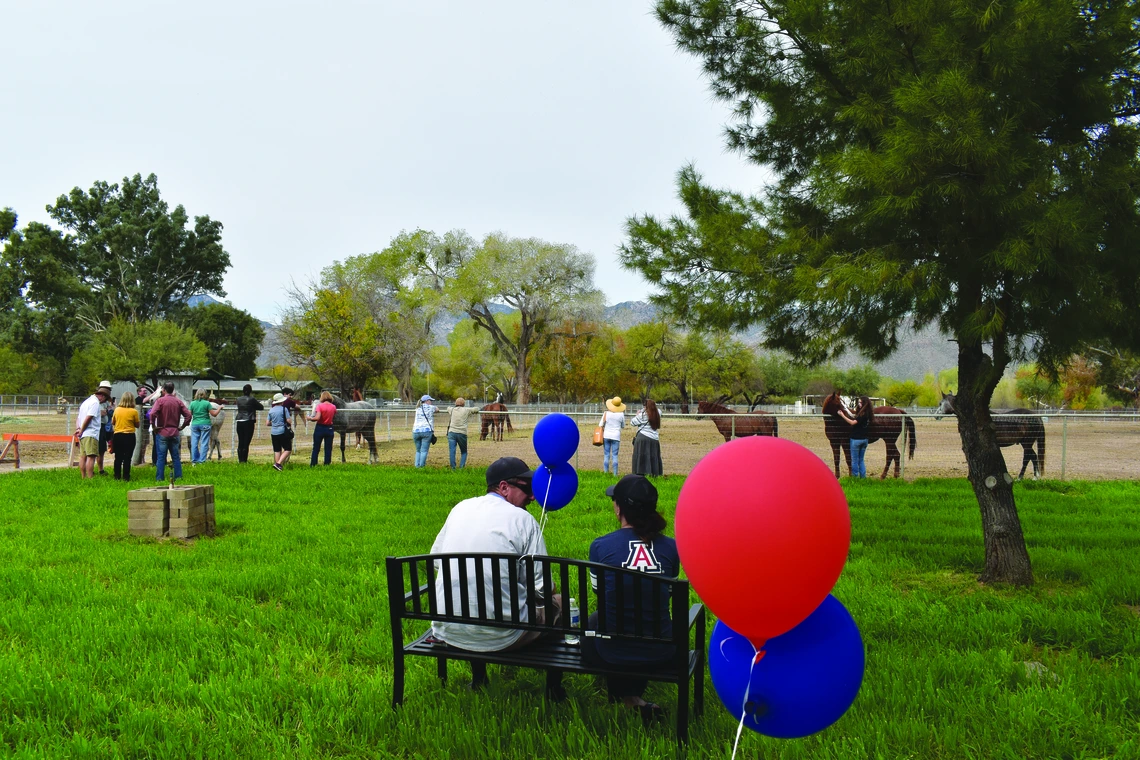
[332, 333]
[145, 351]
[968, 164]
[232, 337]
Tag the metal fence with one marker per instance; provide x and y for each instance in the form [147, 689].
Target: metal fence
[1078, 445]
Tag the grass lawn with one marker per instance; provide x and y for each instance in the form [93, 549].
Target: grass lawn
[272, 638]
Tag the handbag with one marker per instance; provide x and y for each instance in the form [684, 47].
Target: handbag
[599, 433]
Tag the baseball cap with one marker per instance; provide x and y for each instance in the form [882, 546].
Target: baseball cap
[634, 491]
[507, 468]
[426, 397]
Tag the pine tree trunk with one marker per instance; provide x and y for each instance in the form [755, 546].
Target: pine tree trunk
[1007, 559]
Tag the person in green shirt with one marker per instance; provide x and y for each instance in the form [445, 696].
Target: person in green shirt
[201, 410]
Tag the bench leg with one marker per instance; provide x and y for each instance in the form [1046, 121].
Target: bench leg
[441, 668]
[683, 711]
[397, 679]
[554, 690]
[478, 675]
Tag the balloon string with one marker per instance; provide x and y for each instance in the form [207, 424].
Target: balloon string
[744, 705]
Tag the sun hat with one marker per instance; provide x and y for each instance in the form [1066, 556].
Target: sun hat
[615, 405]
[278, 398]
[426, 397]
[634, 492]
[507, 468]
[105, 384]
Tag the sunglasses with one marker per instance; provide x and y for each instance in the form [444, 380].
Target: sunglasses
[524, 486]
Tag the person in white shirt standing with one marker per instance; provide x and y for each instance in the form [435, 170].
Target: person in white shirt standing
[423, 429]
[613, 420]
[495, 523]
[88, 429]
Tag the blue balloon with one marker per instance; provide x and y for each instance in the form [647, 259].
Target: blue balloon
[805, 681]
[554, 487]
[555, 439]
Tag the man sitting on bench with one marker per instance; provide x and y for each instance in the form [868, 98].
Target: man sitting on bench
[496, 522]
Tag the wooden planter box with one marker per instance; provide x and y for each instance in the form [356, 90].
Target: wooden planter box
[179, 512]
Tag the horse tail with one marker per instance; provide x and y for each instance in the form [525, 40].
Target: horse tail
[1041, 444]
[510, 427]
[913, 440]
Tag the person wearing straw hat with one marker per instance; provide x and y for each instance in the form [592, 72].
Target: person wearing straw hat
[280, 424]
[495, 523]
[423, 428]
[87, 431]
[613, 420]
[638, 544]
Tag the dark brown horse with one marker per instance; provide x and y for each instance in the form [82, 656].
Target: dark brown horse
[492, 418]
[887, 425]
[1023, 429]
[730, 426]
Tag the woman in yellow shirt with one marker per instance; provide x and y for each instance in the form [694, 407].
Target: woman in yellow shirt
[124, 422]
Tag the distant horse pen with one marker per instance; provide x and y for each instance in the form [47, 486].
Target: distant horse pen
[1084, 446]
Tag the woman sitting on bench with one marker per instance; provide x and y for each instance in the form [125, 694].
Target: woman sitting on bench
[637, 545]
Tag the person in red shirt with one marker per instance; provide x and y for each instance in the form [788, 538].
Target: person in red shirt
[323, 414]
[168, 415]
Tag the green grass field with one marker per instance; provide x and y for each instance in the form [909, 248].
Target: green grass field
[271, 640]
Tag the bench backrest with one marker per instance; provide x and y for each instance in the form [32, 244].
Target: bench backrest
[647, 596]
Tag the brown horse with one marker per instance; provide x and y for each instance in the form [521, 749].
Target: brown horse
[493, 417]
[1023, 429]
[888, 427]
[740, 426]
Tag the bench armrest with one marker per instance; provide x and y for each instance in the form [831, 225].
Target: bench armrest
[423, 590]
[696, 613]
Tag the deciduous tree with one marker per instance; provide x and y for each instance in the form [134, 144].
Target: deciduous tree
[233, 337]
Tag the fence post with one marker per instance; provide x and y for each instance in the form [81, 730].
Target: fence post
[233, 435]
[70, 432]
[733, 418]
[388, 421]
[1064, 443]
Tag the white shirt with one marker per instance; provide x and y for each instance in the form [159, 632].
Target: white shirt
[425, 414]
[90, 407]
[489, 524]
[641, 422]
[613, 422]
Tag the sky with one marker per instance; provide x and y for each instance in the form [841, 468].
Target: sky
[315, 132]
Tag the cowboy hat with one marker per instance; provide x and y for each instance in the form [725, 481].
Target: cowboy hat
[615, 405]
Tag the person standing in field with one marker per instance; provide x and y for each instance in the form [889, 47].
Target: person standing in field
[125, 424]
[105, 410]
[201, 410]
[458, 417]
[859, 422]
[280, 423]
[423, 429]
[613, 420]
[647, 442]
[169, 416]
[142, 433]
[87, 431]
[247, 409]
[323, 414]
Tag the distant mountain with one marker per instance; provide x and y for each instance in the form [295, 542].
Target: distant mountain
[626, 314]
[205, 300]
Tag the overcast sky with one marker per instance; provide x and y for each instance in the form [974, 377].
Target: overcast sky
[318, 131]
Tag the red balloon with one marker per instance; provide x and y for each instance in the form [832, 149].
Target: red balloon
[763, 531]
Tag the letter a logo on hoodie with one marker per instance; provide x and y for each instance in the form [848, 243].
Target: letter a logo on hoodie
[642, 558]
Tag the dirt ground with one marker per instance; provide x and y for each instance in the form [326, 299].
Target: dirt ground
[1088, 447]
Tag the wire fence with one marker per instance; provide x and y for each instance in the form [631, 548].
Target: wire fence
[1083, 446]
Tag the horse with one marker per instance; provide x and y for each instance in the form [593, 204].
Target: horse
[887, 425]
[1024, 430]
[493, 417]
[358, 396]
[728, 427]
[348, 420]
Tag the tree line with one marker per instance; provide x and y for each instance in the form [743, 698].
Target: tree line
[106, 293]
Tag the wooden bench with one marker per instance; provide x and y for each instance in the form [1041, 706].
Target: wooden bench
[410, 579]
[13, 443]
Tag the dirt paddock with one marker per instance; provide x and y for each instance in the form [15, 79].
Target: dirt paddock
[1078, 447]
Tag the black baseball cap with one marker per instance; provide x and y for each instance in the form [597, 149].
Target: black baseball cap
[507, 468]
[634, 491]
